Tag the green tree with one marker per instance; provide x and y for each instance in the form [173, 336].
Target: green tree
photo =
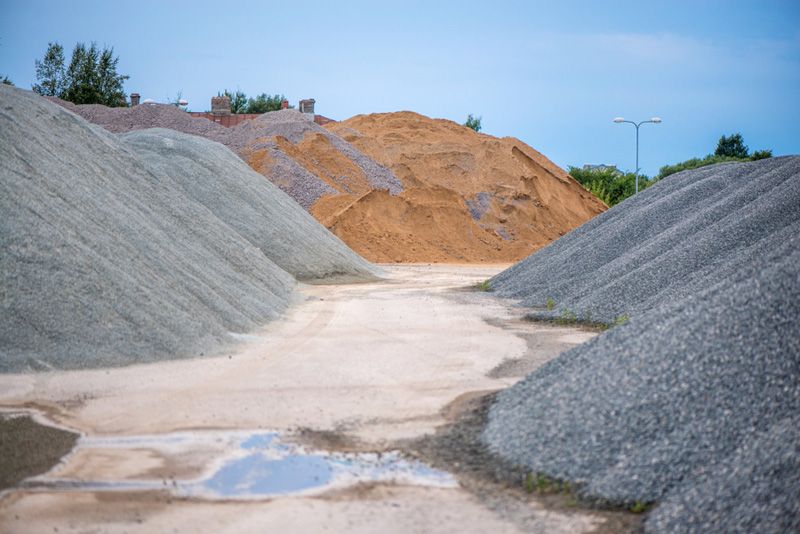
[110, 83]
[610, 185]
[90, 78]
[82, 80]
[264, 103]
[732, 146]
[5, 80]
[761, 154]
[50, 74]
[473, 122]
[729, 148]
[238, 100]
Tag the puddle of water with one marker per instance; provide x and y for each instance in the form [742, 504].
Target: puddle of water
[255, 465]
[257, 474]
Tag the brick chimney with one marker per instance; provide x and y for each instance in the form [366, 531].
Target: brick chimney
[135, 99]
[284, 104]
[220, 105]
[307, 106]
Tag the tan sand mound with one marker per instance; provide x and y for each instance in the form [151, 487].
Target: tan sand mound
[468, 197]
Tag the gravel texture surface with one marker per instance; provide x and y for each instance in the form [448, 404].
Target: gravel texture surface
[293, 178]
[693, 403]
[662, 245]
[121, 120]
[107, 261]
[213, 176]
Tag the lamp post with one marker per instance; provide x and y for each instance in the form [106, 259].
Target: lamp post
[654, 120]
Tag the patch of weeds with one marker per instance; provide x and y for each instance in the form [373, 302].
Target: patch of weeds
[550, 303]
[542, 484]
[567, 317]
[639, 507]
[484, 286]
[621, 320]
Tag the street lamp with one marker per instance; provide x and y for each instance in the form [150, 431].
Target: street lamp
[654, 120]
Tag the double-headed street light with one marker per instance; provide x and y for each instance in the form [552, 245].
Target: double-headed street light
[654, 120]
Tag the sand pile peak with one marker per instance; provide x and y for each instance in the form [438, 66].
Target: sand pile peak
[467, 196]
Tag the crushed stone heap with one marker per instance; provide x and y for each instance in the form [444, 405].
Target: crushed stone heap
[109, 255]
[287, 147]
[213, 176]
[668, 242]
[694, 403]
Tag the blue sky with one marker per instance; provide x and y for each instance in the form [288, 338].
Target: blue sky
[553, 74]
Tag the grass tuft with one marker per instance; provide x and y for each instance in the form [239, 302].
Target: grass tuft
[484, 286]
[638, 507]
[542, 484]
[621, 320]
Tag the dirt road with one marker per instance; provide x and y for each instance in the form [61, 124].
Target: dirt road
[185, 446]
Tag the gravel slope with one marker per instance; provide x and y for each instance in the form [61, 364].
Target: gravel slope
[662, 245]
[106, 261]
[693, 403]
[251, 136]
[215, 177]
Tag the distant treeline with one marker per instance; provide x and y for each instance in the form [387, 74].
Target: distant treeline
[260, 104]
[613, 186]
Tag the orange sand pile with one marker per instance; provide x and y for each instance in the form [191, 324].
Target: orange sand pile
[468, 197]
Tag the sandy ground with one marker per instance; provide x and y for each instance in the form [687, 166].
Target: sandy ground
[356, 367]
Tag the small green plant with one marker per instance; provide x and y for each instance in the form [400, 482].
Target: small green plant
[550, 303]
[638, 507]
[484, 286]
[567, 317]
[536, 482]
[529, 483]
[621, 320]
[473, 122]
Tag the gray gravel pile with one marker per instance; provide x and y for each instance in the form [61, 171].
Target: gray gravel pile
[143, 116]
[250, 135]
[304, 187]
[693, 404]
[662, 245]
[213, 176]
[105, 260]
